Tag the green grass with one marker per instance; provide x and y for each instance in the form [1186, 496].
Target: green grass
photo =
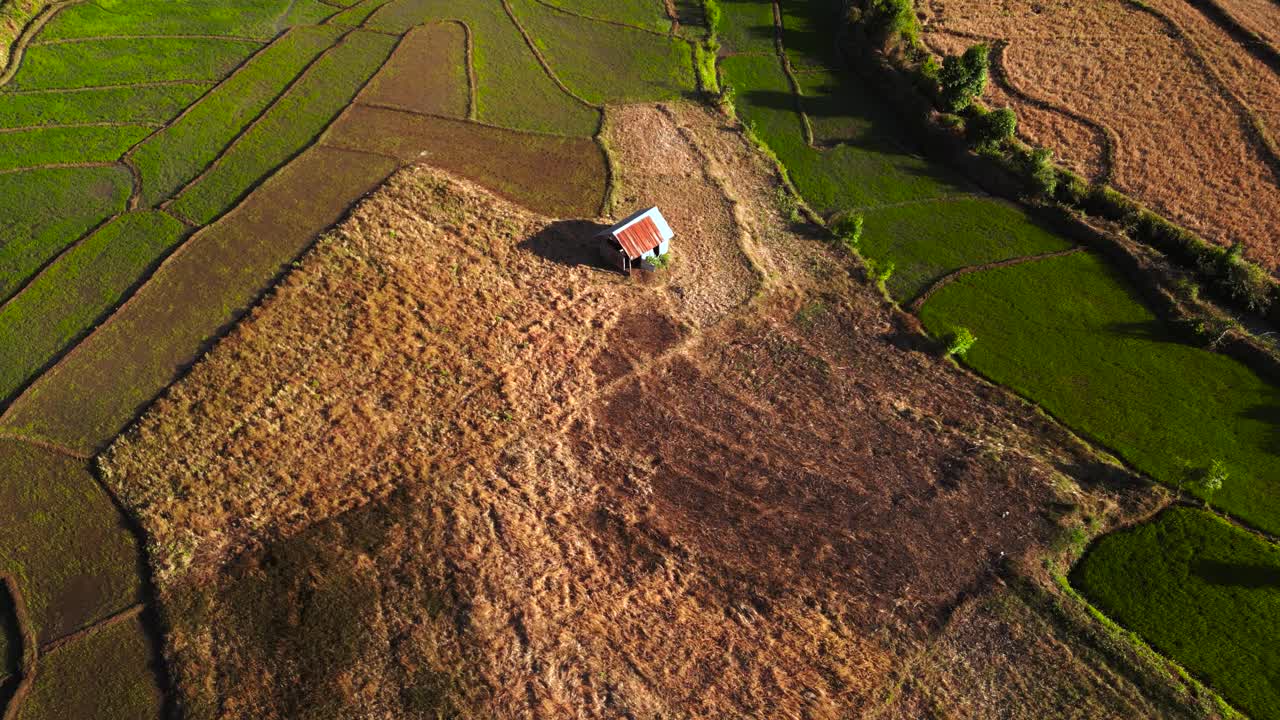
[65, 145]
[292, 123]
[252, 18]
[747, 26]
[927, 240]
[117, 658]
[128, 60]
[357, 14]
[75, 291]
[62, 540]
[115, 372]
[176, 155]
[841, 115]
[155, 104]
[809, 32]
[840, 178]
[513, 90]
[607, 63]
[648, 14]
[1072, 335]
[43, 211]
[1202, 592]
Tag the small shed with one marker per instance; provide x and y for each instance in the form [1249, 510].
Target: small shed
[640, 237]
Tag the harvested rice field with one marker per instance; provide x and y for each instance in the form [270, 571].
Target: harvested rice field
[319, 400]
[1162, 100]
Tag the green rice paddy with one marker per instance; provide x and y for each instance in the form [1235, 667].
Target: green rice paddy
[1203, 592]
[177, 154]
[121, 61]
[137, 104]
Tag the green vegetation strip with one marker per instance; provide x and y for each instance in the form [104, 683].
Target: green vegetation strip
[295, 120]
[141, 104]
[1201, 591]
[42, 211]
[68, 145]
[117, 61]
[247, 18]
[62, 540]
[97, 389]
[176, 155]
[64, 301]
[927, 240]
[512, 89]
[608, 63]
[1071, 334]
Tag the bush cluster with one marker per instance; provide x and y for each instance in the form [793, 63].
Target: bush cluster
[963, 78]
[847, 228]
[991, 130]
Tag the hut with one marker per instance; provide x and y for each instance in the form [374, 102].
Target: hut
[636, 241]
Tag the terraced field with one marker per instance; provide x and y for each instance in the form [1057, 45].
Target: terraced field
[1054, 322]
[161, 165]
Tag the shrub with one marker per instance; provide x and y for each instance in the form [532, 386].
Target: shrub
[880, 272]
[961, 340]
[705, 64]
[1042, 176]
[1212, 480]
[1247, 283]
[993, 129]
[963, 78]
[893, 17]
[847, 228]
[1071, 189]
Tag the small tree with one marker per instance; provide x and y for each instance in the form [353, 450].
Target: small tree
[993, 129]
[961, 340]
[963, 78]
[1212, 480]
[847, 228]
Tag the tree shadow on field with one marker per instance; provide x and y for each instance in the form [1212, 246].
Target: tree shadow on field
[1240, 575]
[567, 242]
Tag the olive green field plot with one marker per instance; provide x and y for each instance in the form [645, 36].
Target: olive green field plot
[604, 63]
[67, 145]
[138, 105]
[62, 543]
[177, 154]
[255, 19]
[79, 289]
[43, 211]
[94, 62]
[1202, 592]
[644, 14]
[512, 89]
[1071, 334]
[288, 127]
[105, 674]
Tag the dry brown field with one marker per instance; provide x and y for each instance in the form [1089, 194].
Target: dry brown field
[1160, 100]
[451, 468]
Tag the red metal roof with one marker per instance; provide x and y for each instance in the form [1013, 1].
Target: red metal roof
[639, 237]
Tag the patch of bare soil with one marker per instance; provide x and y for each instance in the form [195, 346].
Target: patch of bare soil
[452, 469]
[1183, 99]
